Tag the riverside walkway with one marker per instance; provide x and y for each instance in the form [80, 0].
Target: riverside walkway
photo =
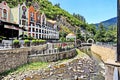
[105, 52]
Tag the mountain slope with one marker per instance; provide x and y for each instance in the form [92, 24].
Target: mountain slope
[109, 22]
[52, 12]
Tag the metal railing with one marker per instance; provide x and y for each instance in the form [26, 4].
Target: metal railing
[108, 45]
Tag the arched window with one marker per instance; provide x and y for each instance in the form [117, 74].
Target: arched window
[24, 12]
[4, 14]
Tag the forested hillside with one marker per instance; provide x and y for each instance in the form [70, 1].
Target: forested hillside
[70, 22]
[109, 22]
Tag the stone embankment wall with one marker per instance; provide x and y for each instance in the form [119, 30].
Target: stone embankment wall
[13, 58]
[104, 52]
[52, 57]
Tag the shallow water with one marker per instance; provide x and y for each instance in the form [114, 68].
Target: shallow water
[100, 65]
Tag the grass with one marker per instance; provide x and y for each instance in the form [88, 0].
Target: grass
[26, 67]
[81, 54]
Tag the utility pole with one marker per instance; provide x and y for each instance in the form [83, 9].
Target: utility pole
[118, 30]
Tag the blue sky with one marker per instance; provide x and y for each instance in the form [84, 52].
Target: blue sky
[94, 11]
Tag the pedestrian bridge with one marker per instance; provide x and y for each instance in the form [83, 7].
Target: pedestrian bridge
[86, 44]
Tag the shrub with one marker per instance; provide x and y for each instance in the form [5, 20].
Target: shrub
[70, 40]
[0, 39]
[33, 42]
[27, 42]
[37, 42]
[42, 41]
[16, 43]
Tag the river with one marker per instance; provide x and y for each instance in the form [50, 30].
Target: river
[91, 68]
[78, 68]
[100, 65]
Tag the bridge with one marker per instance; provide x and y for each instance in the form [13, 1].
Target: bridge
[86, 44]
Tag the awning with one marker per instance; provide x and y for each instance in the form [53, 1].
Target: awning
[11, 25]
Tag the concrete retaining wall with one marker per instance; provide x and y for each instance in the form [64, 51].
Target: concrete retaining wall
[108, 57]
[112, 70]
[104, 52]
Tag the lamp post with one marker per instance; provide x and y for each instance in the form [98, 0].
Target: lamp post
[118, 31]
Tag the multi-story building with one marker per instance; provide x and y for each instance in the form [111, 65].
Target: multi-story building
[30, 19]
[19, 15]
[39, 27]
[8, 29]
[53, 29]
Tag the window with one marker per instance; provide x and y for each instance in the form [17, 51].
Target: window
[31, 16]
[38, 19]
[24, 12]
[39, 30]
[23, 22]
[29, 34]
[33, 30]
[29, 30]
[33, 34]
[5, 14]
[37, 36]
[36, 30]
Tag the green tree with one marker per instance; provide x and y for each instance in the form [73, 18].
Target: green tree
[57, 5]
[111, 34]
[78, 35]
[79, 17]
[100, 34]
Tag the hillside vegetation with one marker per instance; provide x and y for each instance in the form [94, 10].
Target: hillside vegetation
[51, 11]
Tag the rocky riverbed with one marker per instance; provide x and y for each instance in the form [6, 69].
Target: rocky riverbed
[79, 68]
